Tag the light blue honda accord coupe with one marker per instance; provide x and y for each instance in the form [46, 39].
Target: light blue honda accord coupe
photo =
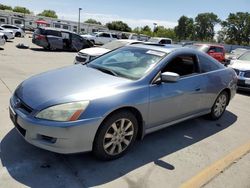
[105, 105]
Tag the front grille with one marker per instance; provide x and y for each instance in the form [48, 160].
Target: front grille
[247, 74]
[241, 83]
[81, 59]
[19, 104]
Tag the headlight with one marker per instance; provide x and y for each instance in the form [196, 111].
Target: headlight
[64, 112]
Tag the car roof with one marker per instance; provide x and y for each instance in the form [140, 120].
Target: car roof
[56, 29]
[129, 40]
[216, 45]
[163, 48]
[160, 38]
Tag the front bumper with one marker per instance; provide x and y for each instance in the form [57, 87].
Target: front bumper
[81, 59]
[59, 137]
[243, 84]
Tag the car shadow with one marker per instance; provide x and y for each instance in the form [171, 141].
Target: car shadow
[241, 92]
[47, 50]
[35, 167]
[1, 48]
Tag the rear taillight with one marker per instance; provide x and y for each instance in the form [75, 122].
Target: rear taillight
[39, 37]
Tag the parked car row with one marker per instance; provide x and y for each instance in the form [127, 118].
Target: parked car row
[100, 38]
[9, 32]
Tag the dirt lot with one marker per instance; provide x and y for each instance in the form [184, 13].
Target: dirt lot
[167, 158]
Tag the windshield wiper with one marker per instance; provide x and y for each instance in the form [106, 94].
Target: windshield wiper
[105, 70]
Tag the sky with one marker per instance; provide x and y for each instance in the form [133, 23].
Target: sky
[134, 13]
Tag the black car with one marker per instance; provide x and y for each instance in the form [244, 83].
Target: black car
[59, 39]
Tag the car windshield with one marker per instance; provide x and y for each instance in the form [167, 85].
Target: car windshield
[128, 62]
[245, 57]
[114, 44]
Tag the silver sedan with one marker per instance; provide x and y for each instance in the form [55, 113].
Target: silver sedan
[122, 95]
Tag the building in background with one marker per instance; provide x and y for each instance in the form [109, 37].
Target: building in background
[31, 21]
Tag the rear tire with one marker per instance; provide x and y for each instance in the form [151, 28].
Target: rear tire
[115, 136]
[18, 34]
[219, 106]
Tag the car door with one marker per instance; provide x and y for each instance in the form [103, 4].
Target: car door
[55, 39]
[77, 42]
[172, 101]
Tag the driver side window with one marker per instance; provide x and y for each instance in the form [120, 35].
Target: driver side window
[184, 65]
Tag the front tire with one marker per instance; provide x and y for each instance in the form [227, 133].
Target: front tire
[219, 106]
[115, 136]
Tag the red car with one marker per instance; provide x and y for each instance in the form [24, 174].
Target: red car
[214, 50]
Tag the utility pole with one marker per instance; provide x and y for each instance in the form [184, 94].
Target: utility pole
[79, 17]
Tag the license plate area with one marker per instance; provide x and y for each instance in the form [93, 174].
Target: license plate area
[13, 117]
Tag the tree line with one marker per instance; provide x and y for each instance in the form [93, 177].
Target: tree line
[24, 10]
[234, 30]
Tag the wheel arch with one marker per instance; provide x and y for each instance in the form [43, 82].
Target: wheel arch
[228, 92]
[135, 112]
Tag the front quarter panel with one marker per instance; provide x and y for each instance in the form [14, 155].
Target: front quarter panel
[133, 96]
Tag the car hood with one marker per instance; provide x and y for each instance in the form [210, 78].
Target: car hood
[73, 83]
[95, 51]
[240, 65]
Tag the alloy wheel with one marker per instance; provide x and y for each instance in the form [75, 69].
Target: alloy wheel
[118, 136]
[220, 105]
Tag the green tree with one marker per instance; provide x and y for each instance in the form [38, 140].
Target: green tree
[5, 7]
[204, 26]
[48, 13]
[237, 28]
[161, 31]
[137, 30]
[21, 10]
[92, 21]
[146, 30]
[118, 26]
[185, 28]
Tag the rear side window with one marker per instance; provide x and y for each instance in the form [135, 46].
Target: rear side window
[183, 65]
[208, 64]
[219, 50]
[114, 36]
[54, 33]
[104, 35]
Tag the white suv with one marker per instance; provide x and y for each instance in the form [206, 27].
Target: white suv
[8, 34]
[89, 54]
[18, 32]
[101, 37]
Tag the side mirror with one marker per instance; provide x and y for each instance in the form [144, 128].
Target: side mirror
[170, 77]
